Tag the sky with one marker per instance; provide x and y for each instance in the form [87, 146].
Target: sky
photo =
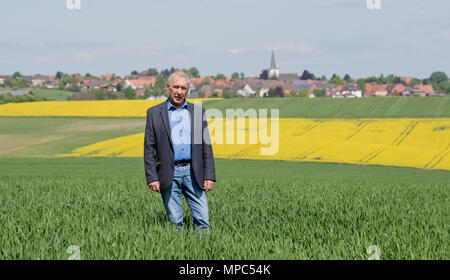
[403, 37]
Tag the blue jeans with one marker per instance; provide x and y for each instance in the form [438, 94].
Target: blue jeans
[184, 182]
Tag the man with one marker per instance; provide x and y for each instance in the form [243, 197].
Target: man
[178, 155]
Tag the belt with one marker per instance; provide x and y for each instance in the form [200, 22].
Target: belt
[182, 162]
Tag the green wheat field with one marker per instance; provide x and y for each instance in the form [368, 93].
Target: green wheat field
[258, 209]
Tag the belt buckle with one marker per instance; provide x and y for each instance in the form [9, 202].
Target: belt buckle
[182, 163]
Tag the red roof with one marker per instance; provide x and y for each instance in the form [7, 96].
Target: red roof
[198, 80]
[221, 83]
[372, 89]
[143, 81]
[426, 88]
[140, 92]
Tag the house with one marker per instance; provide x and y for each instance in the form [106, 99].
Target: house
[151, 97]
[376, 90]
[38, 80]
[2, 78]
[427, 88]
[413, 92]
[139, 83]
[395, 89]
[140, 92]
[17, 92]
[221, 83]
[350, 90]
[198, 80]
[95, 84]
[288, 76]
[246, 91]
[50, 84]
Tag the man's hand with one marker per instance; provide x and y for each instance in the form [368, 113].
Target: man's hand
[154, 186]
[208, 185]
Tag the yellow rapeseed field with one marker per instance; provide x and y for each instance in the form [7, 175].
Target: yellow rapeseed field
[422, 143]
[95, 108]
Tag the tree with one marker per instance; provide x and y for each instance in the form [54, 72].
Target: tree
[151, 72]
[307, 76]
[303, 93]
[219, 76]
[235, 76]
[371, 79]
[160, 82]
[381, 80]
[193, 72]
[320, 92]
[242, 76]
[119, 87]
[414, 82]
[347, 78]
[264, 74]
[167, 72]
[362, 85]
[59, 75]
[129, 92]
[228, 93]
[277, 92]
[438, 77]
[397, 80]
[336, 80]
[22, 83]
[204, 82]
[16, 75]
[64, 81]
[160, 85]
[134, 73]
[8, 83]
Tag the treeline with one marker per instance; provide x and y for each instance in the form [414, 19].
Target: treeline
[9, 98]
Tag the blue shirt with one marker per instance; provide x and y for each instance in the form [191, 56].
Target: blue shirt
[180, 130]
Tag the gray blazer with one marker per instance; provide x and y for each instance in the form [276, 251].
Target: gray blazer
[158, 148]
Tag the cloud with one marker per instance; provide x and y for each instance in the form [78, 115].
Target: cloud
[236, 51]
[301, 48]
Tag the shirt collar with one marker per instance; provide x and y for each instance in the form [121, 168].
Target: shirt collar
[170, 105]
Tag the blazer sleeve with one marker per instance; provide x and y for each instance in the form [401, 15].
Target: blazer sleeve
[208, 157]
[150, 150]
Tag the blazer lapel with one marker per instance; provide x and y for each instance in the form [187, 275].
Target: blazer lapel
[165, 118]
[191, 115]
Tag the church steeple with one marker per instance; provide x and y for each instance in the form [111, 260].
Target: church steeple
[273, 71]
[272, 62]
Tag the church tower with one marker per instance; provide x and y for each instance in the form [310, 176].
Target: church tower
[274, 74]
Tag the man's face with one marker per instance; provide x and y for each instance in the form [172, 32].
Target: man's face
[178, 90]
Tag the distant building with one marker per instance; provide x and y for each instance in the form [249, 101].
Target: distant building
[17, 92]
[2, 78]
[274, 74]
[140, 83]
[350, 90]
[247, 91]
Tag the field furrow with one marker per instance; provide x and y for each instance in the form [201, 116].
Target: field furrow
[396, 142]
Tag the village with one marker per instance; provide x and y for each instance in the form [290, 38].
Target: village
[149, 84]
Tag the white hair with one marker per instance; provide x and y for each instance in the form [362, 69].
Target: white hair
[178, 74]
